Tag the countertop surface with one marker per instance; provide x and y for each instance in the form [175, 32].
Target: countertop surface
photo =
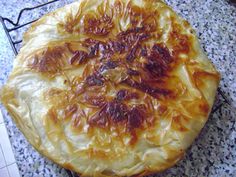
[214, 151]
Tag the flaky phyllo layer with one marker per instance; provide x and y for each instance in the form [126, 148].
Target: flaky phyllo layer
[111, 88]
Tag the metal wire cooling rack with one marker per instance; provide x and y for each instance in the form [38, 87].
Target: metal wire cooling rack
[220, 101]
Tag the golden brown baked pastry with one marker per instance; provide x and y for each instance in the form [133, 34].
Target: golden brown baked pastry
[111, 88]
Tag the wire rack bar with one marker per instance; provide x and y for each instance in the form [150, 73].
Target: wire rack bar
[20, 26]
[8, 35]
[16, 25]
[26, 9]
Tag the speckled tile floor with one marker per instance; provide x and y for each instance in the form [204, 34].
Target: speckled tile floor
[214, 152]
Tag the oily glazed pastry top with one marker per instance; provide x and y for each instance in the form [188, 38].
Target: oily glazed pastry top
[111, 88]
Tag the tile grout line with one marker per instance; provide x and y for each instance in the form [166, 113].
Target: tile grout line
[10, 164]
[8, 172]
[10, 146]
[7, 165]
[4, 160]
[3, 155]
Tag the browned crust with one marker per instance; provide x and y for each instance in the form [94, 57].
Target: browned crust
[145, 70]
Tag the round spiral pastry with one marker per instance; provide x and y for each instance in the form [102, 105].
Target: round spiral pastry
[111, 88]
